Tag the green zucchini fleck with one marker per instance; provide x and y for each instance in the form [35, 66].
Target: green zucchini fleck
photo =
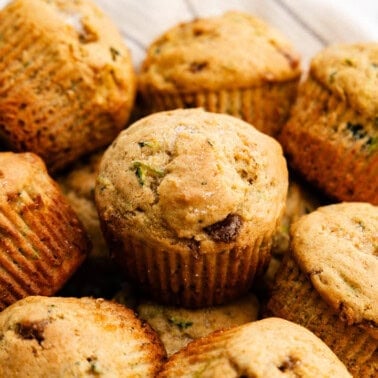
[142, 170]
[372, 145]
[357, 130]
[180, 323]
[114, 53]
[331, 77]
[153, 144]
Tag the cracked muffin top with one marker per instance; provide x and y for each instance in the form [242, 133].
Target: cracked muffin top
[336, 246]
[210, 53]
[72, 337]
[190, 175]
[271, 347]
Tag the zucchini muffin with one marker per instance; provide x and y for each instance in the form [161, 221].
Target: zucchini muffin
[177, 326]
[270, 347]
[71, 337]
[301, 199]
[42, 242]
[98, 276]
[331, 137]
[328, 282]
[67, 79]
[189, 201]
[234, 63]
[78, 185]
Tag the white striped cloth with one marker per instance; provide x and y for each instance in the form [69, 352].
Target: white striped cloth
[309, 24]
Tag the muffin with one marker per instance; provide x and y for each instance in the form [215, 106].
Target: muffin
[331, 138]
[270, 347]
[189, 201]
[42, 241]
[71, 337]
[177, 326]
[98, 276]
[67, 79]
[233, 63]
[301, 199]
[78, 184]
[328, 282]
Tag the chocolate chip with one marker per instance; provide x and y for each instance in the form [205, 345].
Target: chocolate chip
[225, 231]
[194, 246]
[197, 66]
[198, 31]
[32, 330]
[288, 364]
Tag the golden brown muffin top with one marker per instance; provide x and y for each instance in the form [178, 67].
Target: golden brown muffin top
[351, 72]
[72, 337]
[19, 171]
[235, 50]
[177, 326]
[271, 347]
[190, 175]
[336, 246]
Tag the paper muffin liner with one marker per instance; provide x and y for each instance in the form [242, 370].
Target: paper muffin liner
[293, 298]
[267, 107]
[333, 146]
[42, 243]
[191, 279]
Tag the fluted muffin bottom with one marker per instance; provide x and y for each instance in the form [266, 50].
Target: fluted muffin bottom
[295, 299]
[266, 107]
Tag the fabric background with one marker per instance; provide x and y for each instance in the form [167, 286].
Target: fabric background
[309, 24]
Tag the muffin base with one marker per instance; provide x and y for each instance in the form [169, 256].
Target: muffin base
[190, 279]
[293, 298]
[333, 146]
[266, 107]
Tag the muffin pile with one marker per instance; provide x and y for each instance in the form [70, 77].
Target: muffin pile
[229, 230]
